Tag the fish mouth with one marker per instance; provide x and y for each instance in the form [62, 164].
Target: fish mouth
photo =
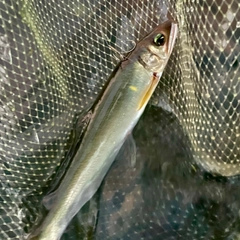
[172, 37]
[147, 95]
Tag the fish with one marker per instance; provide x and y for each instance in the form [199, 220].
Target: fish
[113, 118]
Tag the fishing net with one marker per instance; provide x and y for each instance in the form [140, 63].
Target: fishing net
[55, 57]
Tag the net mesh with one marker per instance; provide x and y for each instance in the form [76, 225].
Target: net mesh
[55, 57]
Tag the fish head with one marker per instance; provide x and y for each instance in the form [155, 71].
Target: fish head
[154, 50]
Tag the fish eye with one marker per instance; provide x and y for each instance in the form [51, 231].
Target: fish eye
[159, 39]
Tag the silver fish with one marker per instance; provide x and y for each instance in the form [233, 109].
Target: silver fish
[114, 117]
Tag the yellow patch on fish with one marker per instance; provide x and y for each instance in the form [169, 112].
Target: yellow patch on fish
[133, 88]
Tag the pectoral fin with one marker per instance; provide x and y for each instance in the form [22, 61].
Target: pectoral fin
[147, 95]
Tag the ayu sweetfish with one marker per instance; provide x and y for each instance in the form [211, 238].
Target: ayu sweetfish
[113, 118]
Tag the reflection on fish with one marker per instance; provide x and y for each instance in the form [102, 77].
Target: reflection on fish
[113, 118]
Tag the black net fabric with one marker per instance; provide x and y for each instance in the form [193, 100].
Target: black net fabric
[55, 57]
